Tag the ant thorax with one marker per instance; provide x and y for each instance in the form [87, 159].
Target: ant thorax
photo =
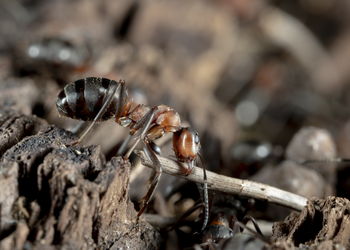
[132, 113]
[165, 119]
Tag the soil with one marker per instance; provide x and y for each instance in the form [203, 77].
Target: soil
[264, 83]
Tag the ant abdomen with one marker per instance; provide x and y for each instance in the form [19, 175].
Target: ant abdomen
[84, 98]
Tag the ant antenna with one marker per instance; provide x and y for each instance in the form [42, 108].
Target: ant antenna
[204, 195]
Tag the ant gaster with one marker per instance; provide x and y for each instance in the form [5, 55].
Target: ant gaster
[98, 99]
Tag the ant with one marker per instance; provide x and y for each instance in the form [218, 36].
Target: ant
[99, 99]
[228, 219]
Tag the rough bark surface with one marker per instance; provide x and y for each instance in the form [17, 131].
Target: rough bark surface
[323, 224]
[57, 197]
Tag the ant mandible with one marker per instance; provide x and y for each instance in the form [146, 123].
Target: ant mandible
[99, 99]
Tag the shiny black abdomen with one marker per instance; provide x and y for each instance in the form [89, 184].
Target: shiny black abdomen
[84, 98]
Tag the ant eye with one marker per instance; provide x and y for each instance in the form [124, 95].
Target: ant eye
[196, 138]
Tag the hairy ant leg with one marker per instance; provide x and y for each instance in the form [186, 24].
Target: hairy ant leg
[124, 145]
[142, 127]
[154, 178]
[248, 218]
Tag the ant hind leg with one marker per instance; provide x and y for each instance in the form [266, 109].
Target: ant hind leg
[154, 178]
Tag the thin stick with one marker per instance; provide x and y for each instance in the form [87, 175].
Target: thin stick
[232, 185]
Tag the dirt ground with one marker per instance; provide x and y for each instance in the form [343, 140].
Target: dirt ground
[265, 84]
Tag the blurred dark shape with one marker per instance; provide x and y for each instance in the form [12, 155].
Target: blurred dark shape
[324, 18]
[19, 94]
[241, 77]
[247, 157]
[211, 148]
[343, 181]
[122, 27]
[55, 57]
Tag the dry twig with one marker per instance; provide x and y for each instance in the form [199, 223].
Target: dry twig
[232, 185]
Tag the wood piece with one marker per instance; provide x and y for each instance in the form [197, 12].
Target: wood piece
[14, 127]
[232, 185]
[323, 224]
[54, 197]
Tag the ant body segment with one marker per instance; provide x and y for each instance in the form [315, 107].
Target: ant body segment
[227, 221]
[99, 99]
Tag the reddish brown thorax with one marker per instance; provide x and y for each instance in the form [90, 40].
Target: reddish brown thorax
[165, 119]
[186, 144]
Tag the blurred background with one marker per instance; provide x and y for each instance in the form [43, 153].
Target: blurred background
[264, 82]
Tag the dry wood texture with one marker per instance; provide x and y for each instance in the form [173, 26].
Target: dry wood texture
[56, 197]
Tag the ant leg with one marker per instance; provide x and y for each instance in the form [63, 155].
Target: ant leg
[100, 113]
[145, 124]
[155, 177]
[122, 147]
[256, 226]
[185, 215]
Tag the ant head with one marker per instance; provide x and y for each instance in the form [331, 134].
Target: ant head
[186, 144]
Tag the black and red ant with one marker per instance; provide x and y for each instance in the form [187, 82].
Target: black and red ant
[226, 226]
[99, 99]
[227, 221]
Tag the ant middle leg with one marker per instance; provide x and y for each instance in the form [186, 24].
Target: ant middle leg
[142, 127]
[248, 218]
